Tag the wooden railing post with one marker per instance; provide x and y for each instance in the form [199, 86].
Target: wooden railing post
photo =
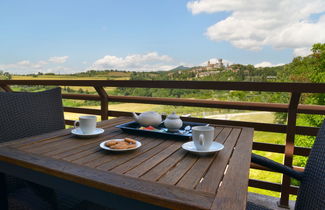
[6, 88]
[103, 102]
[289, 147]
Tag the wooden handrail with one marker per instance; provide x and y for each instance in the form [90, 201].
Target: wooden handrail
[81, 97]
[203, 85]
[278, 148]
[256, 106]
[293, 108]
[82, 110]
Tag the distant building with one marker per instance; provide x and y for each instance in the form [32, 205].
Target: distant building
[271, 78]
[210, 66]
[219, 64]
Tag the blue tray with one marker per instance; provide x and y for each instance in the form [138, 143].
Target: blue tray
[133, 127]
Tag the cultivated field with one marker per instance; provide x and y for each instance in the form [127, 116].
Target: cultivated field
[102, 76]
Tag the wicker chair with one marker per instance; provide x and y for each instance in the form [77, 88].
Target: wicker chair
[28, 114]
[311, 194]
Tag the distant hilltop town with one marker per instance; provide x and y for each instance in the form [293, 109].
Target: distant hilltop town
[213, 68]
[219, 64]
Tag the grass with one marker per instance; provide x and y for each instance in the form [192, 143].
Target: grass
[54, 77]
[130, 107]
[90, 89]
[266, 137]
[262, 117]
[103, 76]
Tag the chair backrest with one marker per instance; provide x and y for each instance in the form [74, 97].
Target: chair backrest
[25, 114]
[311, 193]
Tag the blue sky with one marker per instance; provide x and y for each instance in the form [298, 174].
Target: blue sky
[72, 36]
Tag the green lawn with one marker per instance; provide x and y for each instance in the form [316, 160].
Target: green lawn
[266, 137]
[130, 107]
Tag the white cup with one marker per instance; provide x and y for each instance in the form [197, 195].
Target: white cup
[87, 124]
[203, 137]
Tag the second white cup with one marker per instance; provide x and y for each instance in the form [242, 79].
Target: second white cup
[87, 124]
[203, 137]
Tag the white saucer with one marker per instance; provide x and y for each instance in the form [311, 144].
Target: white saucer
[78, 132]
[103, 146]
[215, 147]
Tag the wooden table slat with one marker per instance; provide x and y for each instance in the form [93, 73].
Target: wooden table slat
[160, 172]
[98, 155]
[126, 157]
[212, 178]
[80, 147]
[107, 156]
[177, 172]
[160, 169]
[72, 144]
[150, 163]
[54, 144]
[29, 141]
[227, 198]
[123, 168]
[92, 155]
[198, 170]
[142, 190]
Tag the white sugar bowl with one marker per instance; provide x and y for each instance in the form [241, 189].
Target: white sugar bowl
[173, 122]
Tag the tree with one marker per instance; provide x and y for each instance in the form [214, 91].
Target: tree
[7, 75]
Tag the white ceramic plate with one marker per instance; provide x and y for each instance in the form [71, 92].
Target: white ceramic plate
[103, 146]
[78, 132]
[215, 147]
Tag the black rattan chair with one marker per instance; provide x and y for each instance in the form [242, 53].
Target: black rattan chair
[22, 115]
[311, 194]
[29, 114]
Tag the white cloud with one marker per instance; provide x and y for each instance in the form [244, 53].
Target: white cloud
[60, 70]
[137, 62]
[29, 67]
[302, 51]
[253, 24]
[58, 59]
[267, 64]
[24, 66]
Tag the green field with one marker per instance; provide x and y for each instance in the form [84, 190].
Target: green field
[266, 137]
[128, 107]
[103, 76]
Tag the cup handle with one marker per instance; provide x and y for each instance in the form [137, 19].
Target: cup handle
[75, 123]
[201, 140]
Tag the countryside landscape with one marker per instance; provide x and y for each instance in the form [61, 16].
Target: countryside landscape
[302, 69]
[247, 78]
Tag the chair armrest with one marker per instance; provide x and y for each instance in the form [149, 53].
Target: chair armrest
[276, 166]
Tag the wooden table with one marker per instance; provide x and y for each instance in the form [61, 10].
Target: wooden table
[160, 173]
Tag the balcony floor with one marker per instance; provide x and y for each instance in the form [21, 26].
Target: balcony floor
[267, 201]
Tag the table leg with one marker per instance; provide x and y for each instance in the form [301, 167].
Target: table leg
[3, 192]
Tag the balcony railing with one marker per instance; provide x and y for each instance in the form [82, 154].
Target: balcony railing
[292, 109]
